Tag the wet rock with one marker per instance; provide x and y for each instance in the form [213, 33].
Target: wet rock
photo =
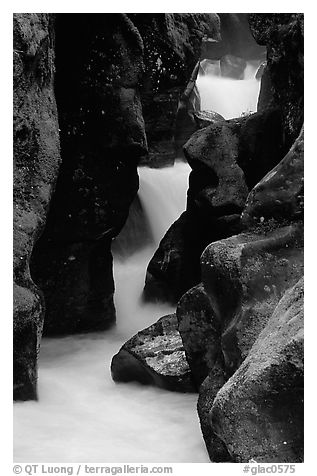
[155, 356]
[260, 143]
[208, 390]
[244, 277]
[99, 63]
[258, 413]
[206, 118]
[215, 149]
[228, 158]
[36, 165]
[280, 194]
[172, 44]
[175, 266]
[283, 36]
[200, 332]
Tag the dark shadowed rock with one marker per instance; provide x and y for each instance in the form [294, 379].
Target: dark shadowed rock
[280, 194]
[260, 143]
[200, 332]
[172, 44]
[228, 158]
[207, 392]
[175, 266]
[258, 413]
[283, 36]
[36, 165]
[215, 147]
[155, 356]
[99, 62]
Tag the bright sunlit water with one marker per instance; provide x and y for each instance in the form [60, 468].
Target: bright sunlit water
[82, 415]
[229, 97]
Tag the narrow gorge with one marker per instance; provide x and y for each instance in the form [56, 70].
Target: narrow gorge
[158, 237]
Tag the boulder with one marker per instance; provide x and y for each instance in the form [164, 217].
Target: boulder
[155, 356]
[175, 267]
[252, 146]
[206, 118]
[280, 194]
[244, 277]
[258, 413]
[200, 331]
[36, 165]
[215, 149]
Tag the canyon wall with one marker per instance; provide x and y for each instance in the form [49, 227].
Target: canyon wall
[239, 247]
[36, 164]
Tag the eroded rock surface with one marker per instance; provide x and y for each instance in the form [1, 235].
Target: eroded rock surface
[258, 413]
[155, 356]
[36, 165]
[99, 62]
[172, 47]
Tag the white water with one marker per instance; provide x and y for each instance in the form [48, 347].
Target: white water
[82, 415]
[229, 97]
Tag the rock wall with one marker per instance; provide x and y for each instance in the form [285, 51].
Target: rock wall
[99, 61]
[102, 62]
[36, 165]
[283, 36]
[258, 142]
[172, 46]
[242, 325]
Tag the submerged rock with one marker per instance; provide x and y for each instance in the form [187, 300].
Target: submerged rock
[258, 413]
[155, 356]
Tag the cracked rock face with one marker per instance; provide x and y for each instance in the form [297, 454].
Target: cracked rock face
[155, 356]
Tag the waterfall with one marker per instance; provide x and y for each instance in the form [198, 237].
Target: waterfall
[229, 97]
[82, 414]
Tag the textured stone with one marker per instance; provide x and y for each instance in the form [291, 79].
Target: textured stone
[244, 277]
[283, 36]
[172, 45]
[258, 413]
[155, 356]
[200, 332]
[36, 165]
[99, 62]
[280, 194]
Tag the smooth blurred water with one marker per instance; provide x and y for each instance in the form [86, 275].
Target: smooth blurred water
[229, 97]
[82, 415]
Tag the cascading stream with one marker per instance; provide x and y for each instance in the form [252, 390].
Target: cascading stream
[82, 415]
[229, 97]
